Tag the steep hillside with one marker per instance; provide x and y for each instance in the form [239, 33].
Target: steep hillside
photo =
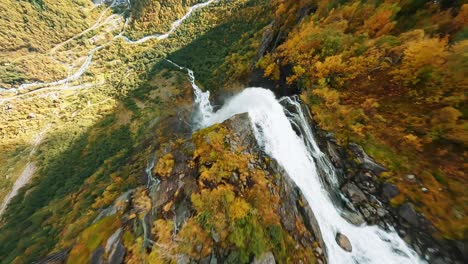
[112, 153]
[391, 76]
[94, 130]
[30, 28]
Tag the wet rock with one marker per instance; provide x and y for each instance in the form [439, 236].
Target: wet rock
[354, 218]
[381, 212]
[213, 259]
[334, 154]
[287, 209]
[97, 256]
[163, 193]
[117, 255]
[367, 186]
[407, 212]
[343, 242]
[267, 39]
[113, 239]
[183, 212]
[265, 258]
[354, 193]
[389, 190]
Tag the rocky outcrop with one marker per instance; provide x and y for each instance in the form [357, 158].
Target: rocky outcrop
[225, 159]
[369, 201]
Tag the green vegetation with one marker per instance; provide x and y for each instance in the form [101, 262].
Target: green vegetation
[237, 214]
[92, 237]
[96, 139]
[241, 211]
[209, 55]
[389, 75]
[151, 16]
[23, 49]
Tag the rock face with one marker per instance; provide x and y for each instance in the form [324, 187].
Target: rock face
[389, 190]
[343, 242]
[367, 162]
[407, 212]
[118, 254]
[354, 193]
[220, 167]
[369, 201]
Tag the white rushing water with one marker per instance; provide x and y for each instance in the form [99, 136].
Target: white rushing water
[274, 133]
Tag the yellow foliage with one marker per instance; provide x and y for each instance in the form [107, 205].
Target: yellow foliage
[330, 68]
[270, 67]
[331, 97]
[142, 203]
[414, 141]
[165, 166]
[92, 237]
[238, 209]
[192, 235]
[379, 24]
[418, 56]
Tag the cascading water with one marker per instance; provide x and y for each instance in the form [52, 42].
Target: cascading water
[301, 157]
[202, 99]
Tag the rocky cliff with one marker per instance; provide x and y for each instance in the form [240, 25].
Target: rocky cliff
[212, 198]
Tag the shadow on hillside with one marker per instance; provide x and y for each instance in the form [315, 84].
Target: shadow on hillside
[53, 203]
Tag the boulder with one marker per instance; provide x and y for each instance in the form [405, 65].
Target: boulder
[343, 242]
[265, 258]
[389, 190]
[354, 193]
[353, 217]
[407, 212]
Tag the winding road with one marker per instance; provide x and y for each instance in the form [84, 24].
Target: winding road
[84, 67]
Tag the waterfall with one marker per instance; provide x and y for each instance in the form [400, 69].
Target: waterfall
[204, 109]
[301, 158]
